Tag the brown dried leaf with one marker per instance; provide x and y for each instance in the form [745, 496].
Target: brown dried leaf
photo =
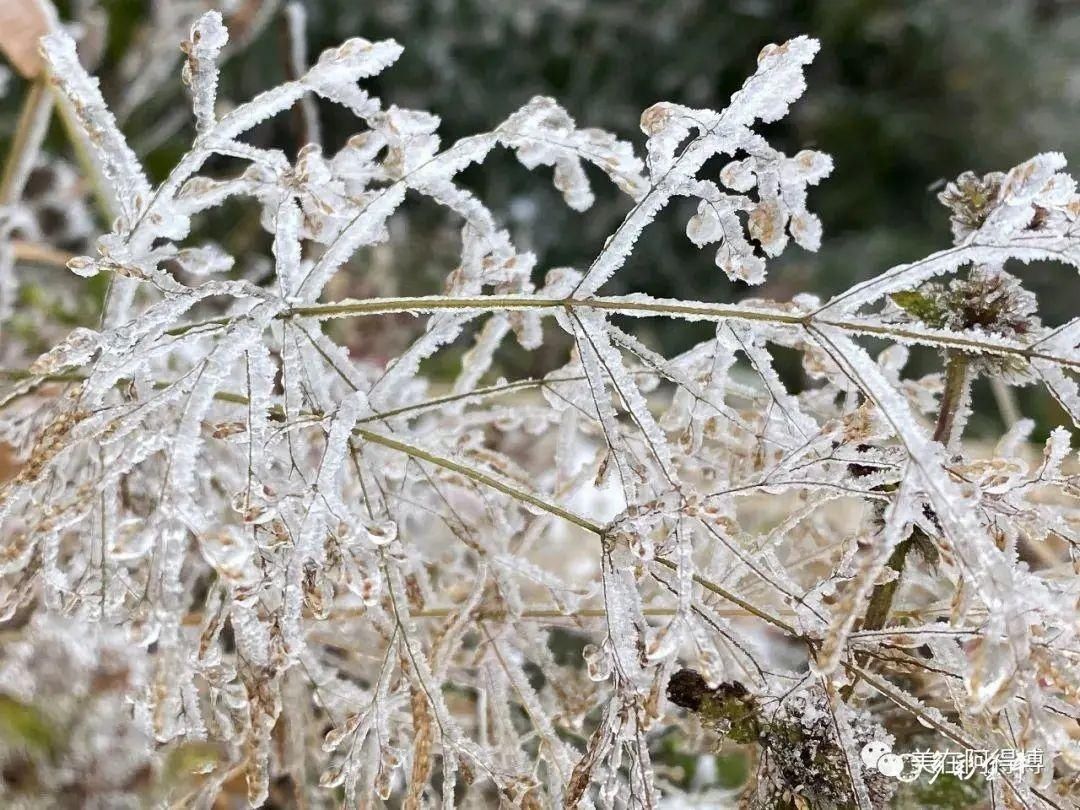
[9, 464]
[421, 768]
[22, 24]
[582, 774]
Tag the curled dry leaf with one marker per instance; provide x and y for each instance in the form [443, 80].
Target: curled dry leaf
[22, 24]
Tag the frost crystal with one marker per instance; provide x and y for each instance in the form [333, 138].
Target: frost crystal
[268, 554]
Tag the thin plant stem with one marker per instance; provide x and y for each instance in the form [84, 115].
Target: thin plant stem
[712, 587]
[639, 306]
[1006, 401]
[956, 385]
[480, 477]
[39, 253]
[29, 134]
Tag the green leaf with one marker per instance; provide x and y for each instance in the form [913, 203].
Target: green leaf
[919, 306]
[732, 769]
[190, 759]
[23, 725]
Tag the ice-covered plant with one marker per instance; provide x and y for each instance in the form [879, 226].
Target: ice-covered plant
[348, 581]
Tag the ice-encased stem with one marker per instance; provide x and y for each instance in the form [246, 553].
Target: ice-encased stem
[952, 398]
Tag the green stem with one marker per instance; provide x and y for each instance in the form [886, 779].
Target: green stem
[956, 386]
[877, 612]
[640, 307]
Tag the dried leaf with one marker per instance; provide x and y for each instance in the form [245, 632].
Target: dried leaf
[22, 24]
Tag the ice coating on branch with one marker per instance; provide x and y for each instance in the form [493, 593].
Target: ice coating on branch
[776, 84]
[337, 70]
[717, 220]
[780, 201]
[78, 347]
[208, 37]
[118, 163]
[543, 133]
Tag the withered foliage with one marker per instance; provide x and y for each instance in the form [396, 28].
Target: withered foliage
[317, 571]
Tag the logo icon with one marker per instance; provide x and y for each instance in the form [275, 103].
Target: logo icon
[877, 755]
